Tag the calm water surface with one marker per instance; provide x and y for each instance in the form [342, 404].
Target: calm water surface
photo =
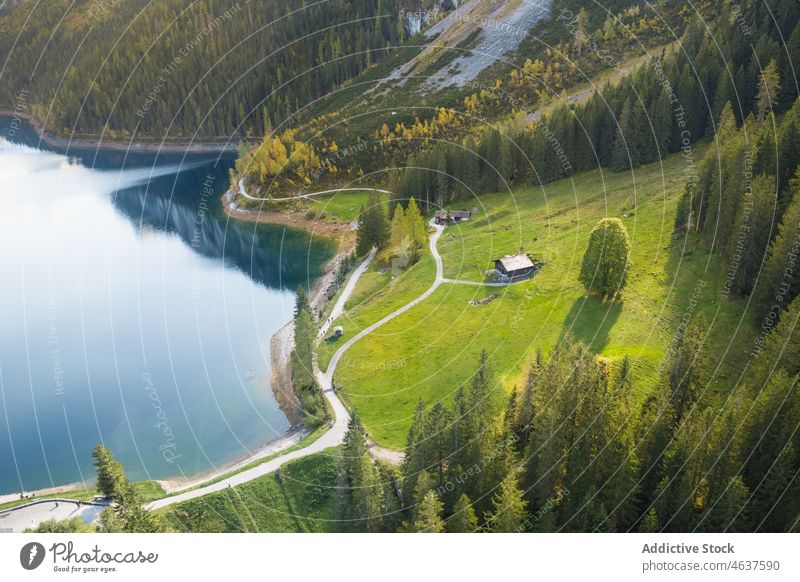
[135, 314]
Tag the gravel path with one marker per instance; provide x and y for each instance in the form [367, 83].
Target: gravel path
[32, 514]
[331, 438]
[335, 435]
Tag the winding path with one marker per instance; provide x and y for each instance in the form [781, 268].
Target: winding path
[309, 196]
[335, 435]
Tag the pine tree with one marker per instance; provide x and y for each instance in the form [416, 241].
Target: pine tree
[624, 154]
[463, 519]
[650, 522]
[429, 515]
[780, 280]
[110, 474]
[360, 502]
[509, 513]
[769, 85]
[753, 232]
[129, 514]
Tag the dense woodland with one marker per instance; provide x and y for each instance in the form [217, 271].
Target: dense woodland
[663, 107]
[208, 68]
[572, 451]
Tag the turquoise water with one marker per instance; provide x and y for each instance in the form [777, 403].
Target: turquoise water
[135, 314]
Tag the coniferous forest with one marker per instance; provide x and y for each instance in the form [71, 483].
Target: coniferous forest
[142, 68]
[347, 125]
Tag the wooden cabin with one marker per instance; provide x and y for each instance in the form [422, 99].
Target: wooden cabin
[515, 267]
[452, 216]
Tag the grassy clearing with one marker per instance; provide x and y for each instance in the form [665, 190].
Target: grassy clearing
[370, 281]
[299, 497]
[341, 206]
[383, 300]
[431, 350]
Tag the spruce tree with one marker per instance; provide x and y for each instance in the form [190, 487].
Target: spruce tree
[400, 237]
[673, 499]
[360, 501]
[752, 233]
[624, 154]
[780, 280]
[463, 519]
[429, 515]
[728, 512]
[769, 85]
[591, 516]
[509, 514]
[110, 474]
[650, 522]
[685, 365]
[604, 270]
[129, 515]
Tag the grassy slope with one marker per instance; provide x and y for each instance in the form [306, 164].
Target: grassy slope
[297, 498]
[381, 301]
[431, 350]
[340, 207]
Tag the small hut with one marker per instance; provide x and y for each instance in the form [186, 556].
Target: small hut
[515, 267]
[452, 216]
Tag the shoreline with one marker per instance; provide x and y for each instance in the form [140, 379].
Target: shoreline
[342, 232]
[66, 488]
[53, 140]
[282, 341]
[176, 484]
[285, 441]
[281, 344]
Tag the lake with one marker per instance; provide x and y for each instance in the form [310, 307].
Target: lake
[134, 313]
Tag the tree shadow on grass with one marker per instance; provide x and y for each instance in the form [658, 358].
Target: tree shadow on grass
[590, 320]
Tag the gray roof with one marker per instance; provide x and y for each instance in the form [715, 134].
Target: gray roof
[516, 262]
[460, 213]
[453, 213]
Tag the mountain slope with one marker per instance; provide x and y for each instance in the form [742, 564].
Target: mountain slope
[211, 68]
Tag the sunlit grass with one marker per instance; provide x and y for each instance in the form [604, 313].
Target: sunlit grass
[428, 352]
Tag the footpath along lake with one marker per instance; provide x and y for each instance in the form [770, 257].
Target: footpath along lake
[135, 313]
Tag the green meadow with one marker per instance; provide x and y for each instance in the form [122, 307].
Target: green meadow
[299, 497]
[428, 352]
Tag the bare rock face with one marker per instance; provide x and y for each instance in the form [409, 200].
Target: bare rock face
[502, 25]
